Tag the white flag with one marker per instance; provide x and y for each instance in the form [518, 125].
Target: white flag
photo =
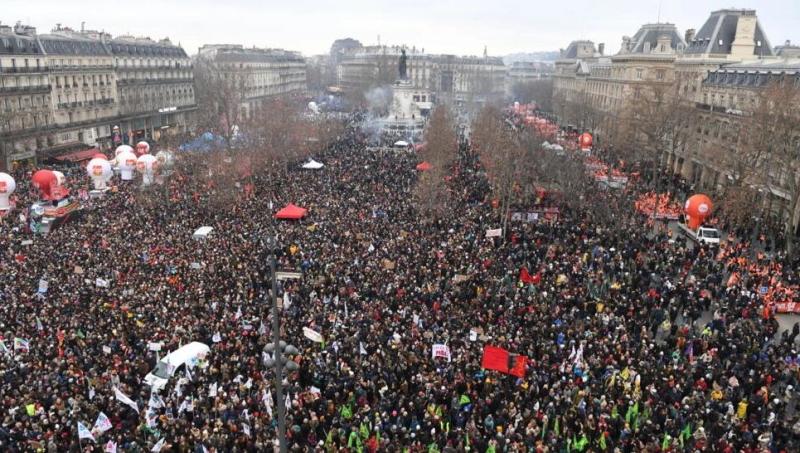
[159, 445]
[152, 419]
[155, 402]
[216, 338]
[238, 314]
[249, 384]
[262, 329]
[102, 424]
[312, 335]
[205, 450]
[246, 429]
[111, 447]
[183, 406]
[361, 349]
[84, 433]
[268, 401]
[125, 400]
[288, 402]
[91, 393]
[212, 390]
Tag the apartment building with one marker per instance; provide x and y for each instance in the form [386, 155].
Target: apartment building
[25, 104]
[155, 87]
[264, 73]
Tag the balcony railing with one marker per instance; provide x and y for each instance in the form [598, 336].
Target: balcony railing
[27, 70]
[26, 89]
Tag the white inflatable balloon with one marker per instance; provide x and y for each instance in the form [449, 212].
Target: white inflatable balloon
[99, 170]
[146, 164]
[60, 178]
[126, 161]
[7, 187]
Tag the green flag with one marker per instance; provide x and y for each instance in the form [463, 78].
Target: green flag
[665, 443]
[329, 439]
[432, 448]
[364, 431]
[346, 412]
[80, 334]
[464, 400]
[544, 428]
[686, 433]
[614, 412]
[581, 444]
[556, 428]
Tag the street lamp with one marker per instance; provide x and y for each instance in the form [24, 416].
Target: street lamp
[279, 362]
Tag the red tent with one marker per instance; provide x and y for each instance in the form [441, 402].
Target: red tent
[291, 212]
[424, 166]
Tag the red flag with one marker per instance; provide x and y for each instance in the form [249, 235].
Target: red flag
[495, 358]
[526, 278]
[518, 366]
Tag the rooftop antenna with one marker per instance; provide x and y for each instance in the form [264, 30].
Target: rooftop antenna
[658, 21]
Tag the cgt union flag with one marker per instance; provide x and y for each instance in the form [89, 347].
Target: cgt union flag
[499, 359]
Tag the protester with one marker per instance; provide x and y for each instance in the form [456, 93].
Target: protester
[634, 343]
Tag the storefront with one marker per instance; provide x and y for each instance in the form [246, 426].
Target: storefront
[23, 159]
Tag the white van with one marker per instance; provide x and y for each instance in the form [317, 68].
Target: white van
[165, 368]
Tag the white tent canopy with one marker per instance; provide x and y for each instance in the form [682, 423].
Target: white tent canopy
[313, 165]
[400, 143]
[202, 232]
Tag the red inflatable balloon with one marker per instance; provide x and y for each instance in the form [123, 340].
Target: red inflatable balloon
[44, 180]
[698, 208]
[586, 140]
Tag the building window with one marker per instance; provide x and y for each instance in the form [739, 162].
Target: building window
[639, 74]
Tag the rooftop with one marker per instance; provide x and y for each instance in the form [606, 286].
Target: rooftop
[718, 33]
[646, 39]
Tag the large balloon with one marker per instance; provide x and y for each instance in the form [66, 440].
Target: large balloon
[122, 148]
[142, 148]
[697, 209]
[126, 161]
[60, 178]
[100, 156]
[146, 164]
[44, 180]
[7, 187]
[165, 159]
[585, 140]
[99, 171]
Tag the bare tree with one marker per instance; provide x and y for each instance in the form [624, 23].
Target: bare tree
[775, 145]
[504, 157]
[221, 92]
[539, 91]
[441, 146]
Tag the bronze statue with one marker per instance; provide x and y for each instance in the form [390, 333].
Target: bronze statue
[403, 60]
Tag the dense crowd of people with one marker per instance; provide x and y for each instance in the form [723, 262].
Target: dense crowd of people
[635, 343]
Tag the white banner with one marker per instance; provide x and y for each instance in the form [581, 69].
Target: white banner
[442, 351]
[496, 233]
[312, 335]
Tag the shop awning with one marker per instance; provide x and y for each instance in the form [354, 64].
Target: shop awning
[78, 156]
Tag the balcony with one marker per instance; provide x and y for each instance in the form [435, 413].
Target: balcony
[30, 89]
[15, 70]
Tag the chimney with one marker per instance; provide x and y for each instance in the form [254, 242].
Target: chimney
[601, 48]
[788, 42]
[689, 36]
[743, 45]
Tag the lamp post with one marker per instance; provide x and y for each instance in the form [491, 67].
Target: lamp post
[278, 348]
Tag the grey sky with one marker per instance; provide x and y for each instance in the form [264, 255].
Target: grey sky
[439, 26]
